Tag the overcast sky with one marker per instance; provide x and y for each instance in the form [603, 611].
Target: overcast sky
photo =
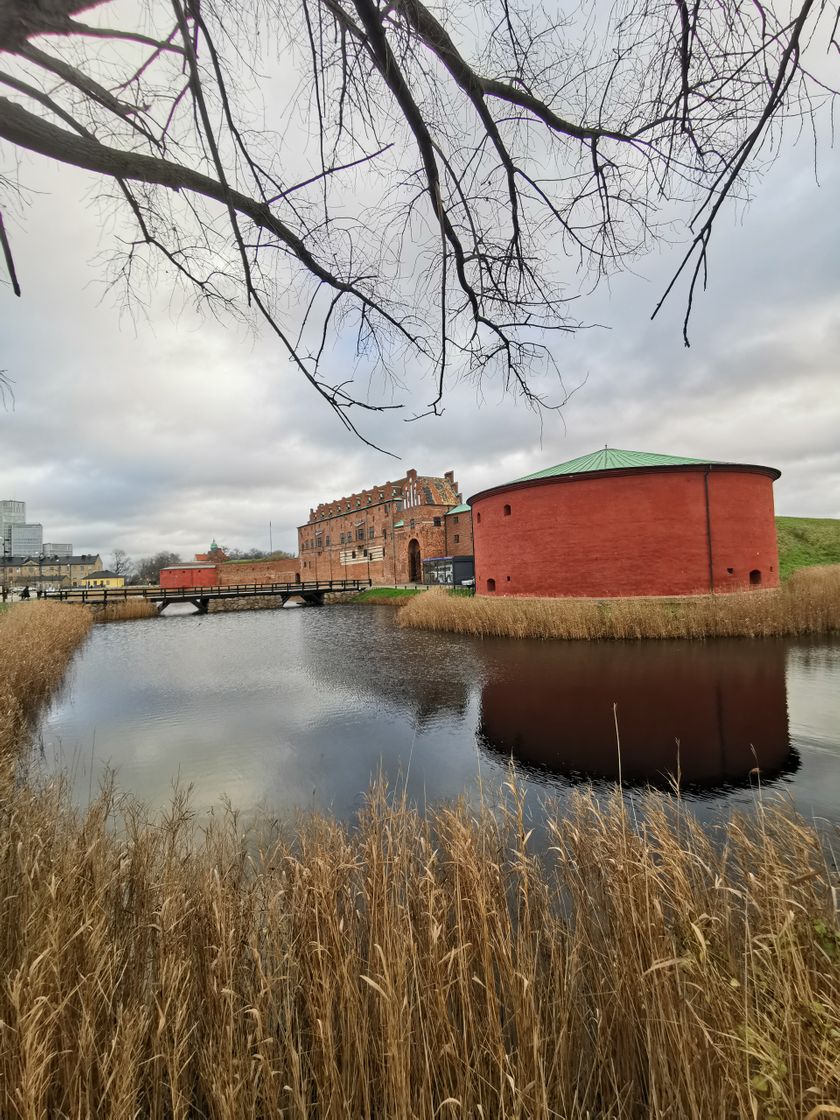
[172, 431]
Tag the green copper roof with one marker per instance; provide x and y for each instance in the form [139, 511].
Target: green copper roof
[462, 508]
[611, 459]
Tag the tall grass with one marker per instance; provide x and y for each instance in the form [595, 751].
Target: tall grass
[808, 603]
[415, 966]
[37, 641]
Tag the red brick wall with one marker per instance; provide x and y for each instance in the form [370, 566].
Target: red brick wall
[459, 525]
[284, 570]
[188, 577]
[632, 533]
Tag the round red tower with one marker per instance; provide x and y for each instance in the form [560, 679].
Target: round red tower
[623, 523]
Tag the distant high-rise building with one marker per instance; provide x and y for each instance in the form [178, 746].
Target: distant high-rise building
[51, 549]
[27, 539]
[11, 513]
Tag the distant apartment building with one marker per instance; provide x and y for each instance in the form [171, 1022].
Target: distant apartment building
[385, 533]
[27, 539]
[40, 571]
[50, 548]
[11, 513]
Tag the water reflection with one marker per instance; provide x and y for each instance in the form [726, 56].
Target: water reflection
[303, 708]
[714, 713]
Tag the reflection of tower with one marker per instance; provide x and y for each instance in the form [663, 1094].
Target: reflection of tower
[710, 711]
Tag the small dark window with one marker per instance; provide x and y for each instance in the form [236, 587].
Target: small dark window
[508, 579]
[353, 555]
[507, 511]
[455, 519]
[457, 539]
[328, 542]
[436, 522]
[384, 534]
[478, 518]
[755, 577]
[360, 534]
[411, 523]
[371, 532]
[491, 585]
[730, 571]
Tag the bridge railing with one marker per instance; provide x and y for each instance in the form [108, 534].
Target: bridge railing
[215, 591]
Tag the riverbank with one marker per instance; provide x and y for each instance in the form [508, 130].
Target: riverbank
[807, 541]
[808, 603]
[407, 964]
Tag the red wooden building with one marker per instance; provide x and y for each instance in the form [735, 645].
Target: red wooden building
[625, 523]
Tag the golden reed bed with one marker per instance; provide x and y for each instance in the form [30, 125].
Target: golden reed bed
[37, 641]
[808, 603]
[410, 967]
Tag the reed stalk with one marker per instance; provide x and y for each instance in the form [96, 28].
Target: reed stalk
[808, 603]
[414, 966]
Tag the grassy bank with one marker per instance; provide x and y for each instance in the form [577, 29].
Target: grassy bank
[808, 603]
[807, 541]
[394, 596]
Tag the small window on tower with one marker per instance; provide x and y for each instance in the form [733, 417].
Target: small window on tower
[507, 511]
[491, 585]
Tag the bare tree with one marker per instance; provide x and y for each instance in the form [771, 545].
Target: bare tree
[122, 564]
[467, 171]
[147, 569]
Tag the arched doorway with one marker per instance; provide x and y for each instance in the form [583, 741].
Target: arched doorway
[415, 566]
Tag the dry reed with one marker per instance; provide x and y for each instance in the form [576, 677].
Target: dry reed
[414, 966]
[809, 603]
[37, 640]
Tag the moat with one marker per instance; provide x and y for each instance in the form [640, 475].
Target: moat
[302, 708]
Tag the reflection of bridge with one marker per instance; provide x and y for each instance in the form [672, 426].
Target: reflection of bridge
[310, 592]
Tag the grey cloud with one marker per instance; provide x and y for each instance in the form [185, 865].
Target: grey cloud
[173, 430]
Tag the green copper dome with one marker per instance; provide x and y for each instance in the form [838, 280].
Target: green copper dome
[612, 459]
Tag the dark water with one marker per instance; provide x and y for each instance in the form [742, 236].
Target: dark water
[302, 708]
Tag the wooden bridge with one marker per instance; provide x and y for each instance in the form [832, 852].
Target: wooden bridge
[310, 592]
